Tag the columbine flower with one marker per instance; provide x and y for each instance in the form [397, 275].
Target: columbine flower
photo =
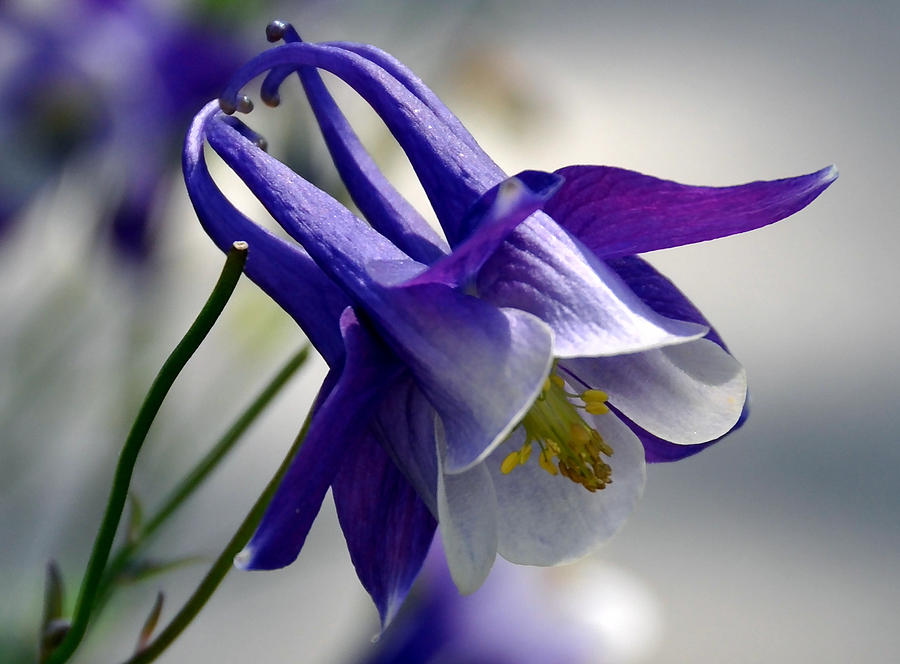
[503, 384]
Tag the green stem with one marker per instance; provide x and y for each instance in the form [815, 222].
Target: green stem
[234, 264]
[223, 563]
[199, 473]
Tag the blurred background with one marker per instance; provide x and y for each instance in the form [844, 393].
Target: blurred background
[780, 544]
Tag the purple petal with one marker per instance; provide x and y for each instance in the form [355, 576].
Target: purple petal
[479, 366]
[284, 271]
[491, 219]
[346, 248]
[387, 526]
[617, 212]
[412, 83]
[454, 172]
[382, 205]
[388, 212]
[659, 293]
[450, 341]
[543, 270]
[343, 417]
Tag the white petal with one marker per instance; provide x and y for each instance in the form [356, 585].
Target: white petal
[467, 514]
[549, 520]
[686, 394]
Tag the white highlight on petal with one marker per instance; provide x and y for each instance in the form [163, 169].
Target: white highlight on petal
[686, 394]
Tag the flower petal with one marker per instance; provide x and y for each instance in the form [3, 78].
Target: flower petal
[657, 450]
[659, 293]
[343, 416]
[404, 425]
[454, 172]
[548, 520]
[480, 367]
[617, 212]
[487, 224]
[665, 299]
[382, 205]
[387, 526]
[388, 212]
[450, 341]
[284, 271]
[543, 270]
[467, 513]
[686, 394]
[345, 247]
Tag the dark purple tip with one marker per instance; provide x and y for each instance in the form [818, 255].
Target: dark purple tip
[275, 30]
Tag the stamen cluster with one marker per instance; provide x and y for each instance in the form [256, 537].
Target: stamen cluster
[569, 446]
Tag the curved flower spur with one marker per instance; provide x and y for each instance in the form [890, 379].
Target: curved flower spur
[509, 381]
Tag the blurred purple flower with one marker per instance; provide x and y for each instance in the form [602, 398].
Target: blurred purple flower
[451, 368]
[115, 81]
[589, 614]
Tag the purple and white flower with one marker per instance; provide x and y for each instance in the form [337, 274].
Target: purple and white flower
[507, 380]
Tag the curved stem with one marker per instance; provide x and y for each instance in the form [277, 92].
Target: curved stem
[222, 564]
[198, 474]
[234, 265]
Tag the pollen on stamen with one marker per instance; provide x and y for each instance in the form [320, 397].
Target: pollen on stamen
[525, 453]
[510, 462]
[569, 446]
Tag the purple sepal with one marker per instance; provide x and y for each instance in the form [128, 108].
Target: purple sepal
[344, 416]
[617, 212]
[387, 526]
[284, 271]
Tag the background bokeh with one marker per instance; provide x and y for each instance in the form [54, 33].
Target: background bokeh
[781, 544]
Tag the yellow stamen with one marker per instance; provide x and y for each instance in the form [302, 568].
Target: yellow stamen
[569, 445]
[546, 462]
[510, 462]
[594, 395]
[524, 453]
